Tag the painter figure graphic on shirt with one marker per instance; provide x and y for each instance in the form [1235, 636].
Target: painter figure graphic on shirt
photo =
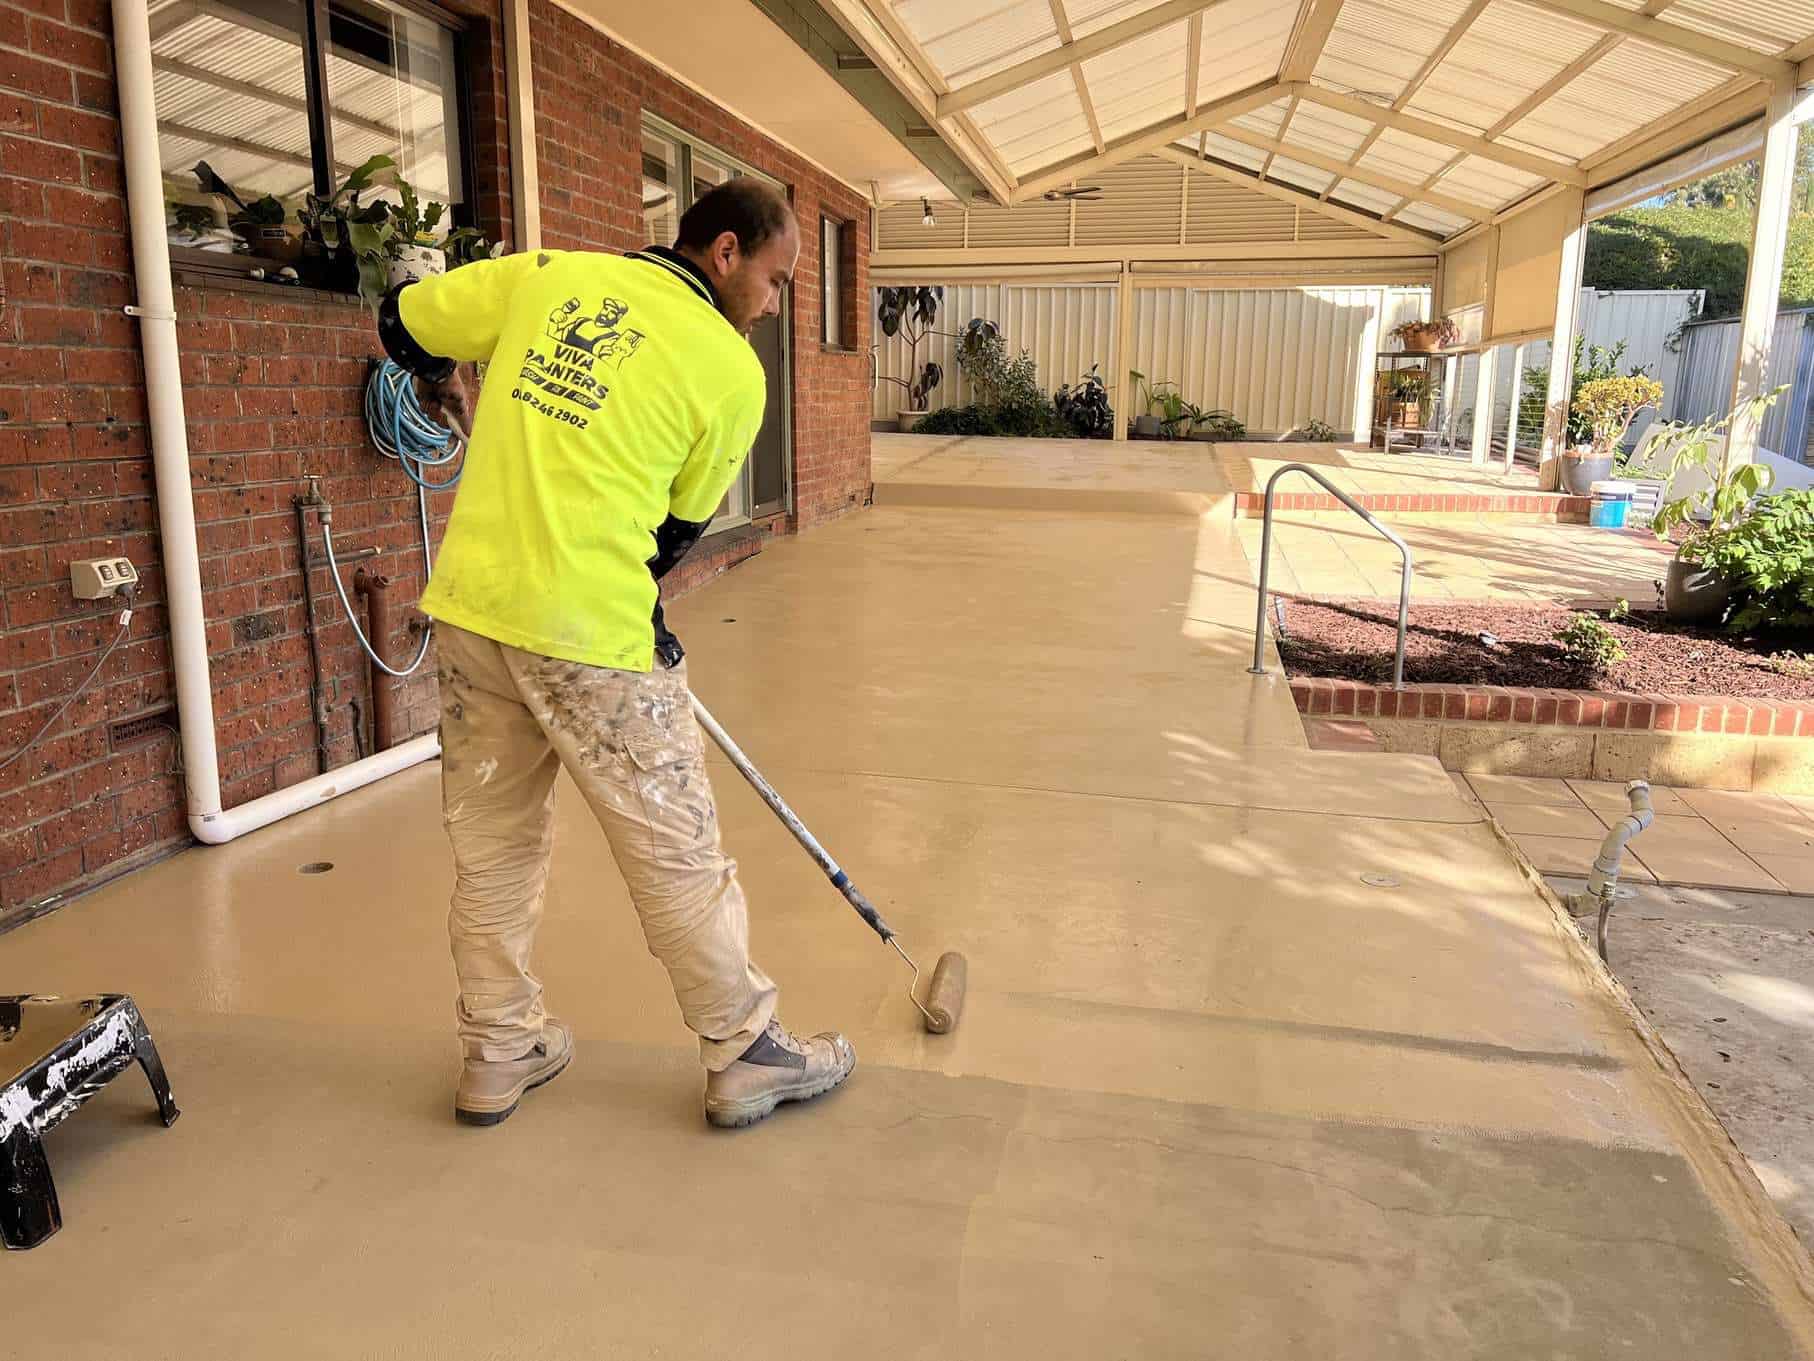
[604, 335]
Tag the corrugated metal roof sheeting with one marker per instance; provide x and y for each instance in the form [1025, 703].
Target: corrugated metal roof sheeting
[1407, 158]
[1326, 130]
[1487, 182]
[1235, 153]
[1426, 218]
[1507, 54]
[1365, 196]
[967, 42]
[1037, 125]
[1378, 46]
[1299, 175]
[1139, 83]
[1630, 87]
[1243, 44]
[1767, 25]
[1087, 16]
[1265, 120]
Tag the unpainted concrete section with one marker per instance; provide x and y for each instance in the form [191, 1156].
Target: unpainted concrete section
[1268, 1052]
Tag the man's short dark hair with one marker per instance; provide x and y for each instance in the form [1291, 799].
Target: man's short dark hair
[746, 206]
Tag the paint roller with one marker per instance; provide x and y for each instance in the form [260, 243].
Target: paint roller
[950, 976]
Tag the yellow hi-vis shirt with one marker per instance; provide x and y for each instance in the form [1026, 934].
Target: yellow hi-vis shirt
[616, 395]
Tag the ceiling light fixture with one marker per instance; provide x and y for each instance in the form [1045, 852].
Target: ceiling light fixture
[927, 219]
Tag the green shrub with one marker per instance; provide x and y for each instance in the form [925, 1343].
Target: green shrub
[1024, 421]
[1586, 639]
[1770, 553]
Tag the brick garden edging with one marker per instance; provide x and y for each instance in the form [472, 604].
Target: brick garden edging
[1535, 505]
[1327, 698]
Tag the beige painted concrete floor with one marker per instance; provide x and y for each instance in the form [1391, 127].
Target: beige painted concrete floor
[1215, 1094]
[1523, 562]
[1702, 838]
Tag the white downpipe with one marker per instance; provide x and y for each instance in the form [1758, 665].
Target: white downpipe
[156, 312]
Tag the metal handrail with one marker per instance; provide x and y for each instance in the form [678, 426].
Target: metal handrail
[1404, 583]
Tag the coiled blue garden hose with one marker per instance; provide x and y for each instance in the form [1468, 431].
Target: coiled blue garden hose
[403, 431]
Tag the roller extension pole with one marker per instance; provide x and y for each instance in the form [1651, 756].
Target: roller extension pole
[950, 976]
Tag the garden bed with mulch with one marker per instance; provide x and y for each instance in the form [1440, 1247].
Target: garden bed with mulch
[1355, 640]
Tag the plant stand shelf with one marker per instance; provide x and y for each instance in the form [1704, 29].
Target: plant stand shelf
[1410, 402]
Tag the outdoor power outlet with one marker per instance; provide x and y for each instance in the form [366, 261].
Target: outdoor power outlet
[98, 578]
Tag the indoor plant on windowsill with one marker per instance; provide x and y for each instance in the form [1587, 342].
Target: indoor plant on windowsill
[258, 223]
[1708, 493]
[1423, 337]
[329, 259]
[1609, 406]
[410, 252]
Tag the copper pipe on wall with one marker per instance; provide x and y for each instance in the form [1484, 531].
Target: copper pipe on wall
[380, 616]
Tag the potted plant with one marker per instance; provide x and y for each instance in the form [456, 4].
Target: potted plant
[1708, 493]
[258, 223]
[410, 250]
[1211, 427]
[1406, 391]
[464, 245]
[1768, 556]
[1608, 406]
[329, 258]
[1152, 401]
[1174, 414]
[1422, 337]
[1084, 406]
[911, 312]
[1313, 432]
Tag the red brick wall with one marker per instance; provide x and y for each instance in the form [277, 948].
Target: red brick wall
[590, 94]
[272, 381]
[272, 390]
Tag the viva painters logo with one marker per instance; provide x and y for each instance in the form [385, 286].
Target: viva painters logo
[578, 352]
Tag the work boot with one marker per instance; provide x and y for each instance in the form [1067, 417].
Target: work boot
[490, 1088]
[778, 1067]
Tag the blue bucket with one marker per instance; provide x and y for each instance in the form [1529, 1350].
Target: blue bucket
[1611, 504]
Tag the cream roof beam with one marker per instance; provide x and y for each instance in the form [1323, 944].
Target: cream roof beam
[1063, 21]
[1193, 62]
[1473, 212]
[875, 28]
[1150, 139]
[1613, 19]
[1315, 22]
[1050, 63]
[1547, 167]
[1297, 198]
[1457, 31]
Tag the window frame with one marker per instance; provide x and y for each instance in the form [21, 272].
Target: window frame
[834, 301]
[745, 507]
[316, 17]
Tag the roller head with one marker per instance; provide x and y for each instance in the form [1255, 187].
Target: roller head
[945, 997]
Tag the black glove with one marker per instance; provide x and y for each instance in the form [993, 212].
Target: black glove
[672, 542]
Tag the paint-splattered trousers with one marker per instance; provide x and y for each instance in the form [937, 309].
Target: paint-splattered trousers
[509, 721]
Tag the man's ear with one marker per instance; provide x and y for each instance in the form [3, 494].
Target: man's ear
[724, 251]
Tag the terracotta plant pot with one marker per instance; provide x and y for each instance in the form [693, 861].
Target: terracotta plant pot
[1408, 416]
[1421, 339]
[1693, 594]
